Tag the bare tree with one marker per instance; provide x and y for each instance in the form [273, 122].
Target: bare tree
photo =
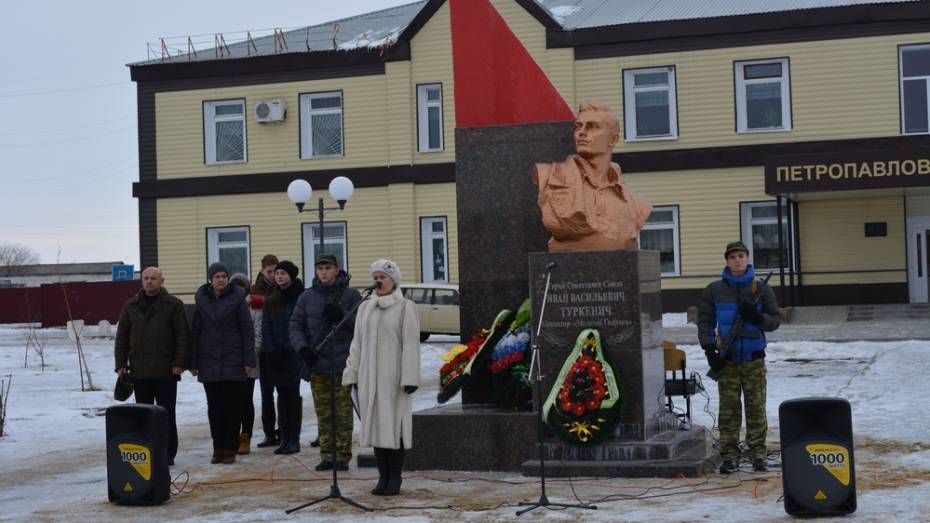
[4, 400]
[36, 341]
[83, 368]
[14, 254]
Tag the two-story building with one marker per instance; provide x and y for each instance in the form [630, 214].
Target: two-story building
[801, 131]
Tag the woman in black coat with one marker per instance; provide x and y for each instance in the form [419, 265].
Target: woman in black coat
[222, 355]
[282, 360]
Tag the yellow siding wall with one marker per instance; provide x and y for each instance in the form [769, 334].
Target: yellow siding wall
[833, 241]
[839, 89]
[431, 62]
[708, 214]
[383, 222]
[271, 147]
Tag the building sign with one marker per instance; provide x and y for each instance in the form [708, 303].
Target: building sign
[847, 170]
[123, 272]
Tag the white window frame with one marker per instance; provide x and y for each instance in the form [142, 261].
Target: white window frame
[209, 130]
[214, 245]
[747, 221]
[674, 227]
[306, 123]
[742, 125]
[629, 103]
[423, 106]
[426, 247]
[901, 78]
[311, 241]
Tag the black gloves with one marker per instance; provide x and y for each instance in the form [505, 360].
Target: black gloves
[333, 313]
[713, 357]
[309, 355]
[748, 312]
[410, 389]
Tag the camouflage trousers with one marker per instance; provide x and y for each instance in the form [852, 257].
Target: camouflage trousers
[320, 386]
[746, 379]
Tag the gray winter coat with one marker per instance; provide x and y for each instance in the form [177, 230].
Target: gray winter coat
[222, 334]
[307, 323]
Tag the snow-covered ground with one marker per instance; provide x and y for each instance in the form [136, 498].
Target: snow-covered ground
[52, 462]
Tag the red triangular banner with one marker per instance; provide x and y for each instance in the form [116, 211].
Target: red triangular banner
[497, 82]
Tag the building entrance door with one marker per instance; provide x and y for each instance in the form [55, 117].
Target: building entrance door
[918, 264]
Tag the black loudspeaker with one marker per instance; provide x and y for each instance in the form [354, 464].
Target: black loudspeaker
[137, 461]
[818, 471]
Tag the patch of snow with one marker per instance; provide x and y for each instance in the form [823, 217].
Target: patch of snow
[53, 459]
[675, 319]
[561, 12]
[373, 38]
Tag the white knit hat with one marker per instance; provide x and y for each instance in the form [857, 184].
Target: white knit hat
[387, 267]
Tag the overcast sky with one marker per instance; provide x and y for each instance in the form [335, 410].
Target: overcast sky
[68, 145]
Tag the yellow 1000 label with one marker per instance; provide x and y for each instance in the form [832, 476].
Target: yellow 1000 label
[834, 458]
[139, 457]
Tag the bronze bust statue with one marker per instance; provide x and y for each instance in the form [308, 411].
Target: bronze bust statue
[585, 204]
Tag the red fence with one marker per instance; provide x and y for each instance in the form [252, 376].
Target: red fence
[89, 301]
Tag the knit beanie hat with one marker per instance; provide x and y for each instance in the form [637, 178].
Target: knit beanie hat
[387, 267]
[215, 268]
[269, 259]
[289, 268]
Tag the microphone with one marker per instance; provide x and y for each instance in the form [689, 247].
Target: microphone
[373, 286]
[550, 266]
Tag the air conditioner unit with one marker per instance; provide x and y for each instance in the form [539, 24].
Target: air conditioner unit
[269, 111]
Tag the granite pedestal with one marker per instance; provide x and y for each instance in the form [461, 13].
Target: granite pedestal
[498, 224]
[619, 294]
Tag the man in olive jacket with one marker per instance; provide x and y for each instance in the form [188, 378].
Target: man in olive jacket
[152, 345]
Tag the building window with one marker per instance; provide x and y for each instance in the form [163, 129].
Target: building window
[434, 249]
[429, 117]
[661, 234]
[763, 96]
[229, 246]
[915, 89]
[321, 125]
[334, 242]
[224, 131]
[759, 231]
[650, 107]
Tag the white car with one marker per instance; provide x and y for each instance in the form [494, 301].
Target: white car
[438, 305]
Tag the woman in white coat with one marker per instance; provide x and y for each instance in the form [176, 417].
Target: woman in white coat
[384, 365]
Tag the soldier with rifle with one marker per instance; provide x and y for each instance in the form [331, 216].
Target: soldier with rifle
[734, 314]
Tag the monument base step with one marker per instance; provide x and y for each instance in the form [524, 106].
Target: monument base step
[471, 437]
[688, 453]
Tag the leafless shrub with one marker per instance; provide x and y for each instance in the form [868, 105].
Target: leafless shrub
[4, 401]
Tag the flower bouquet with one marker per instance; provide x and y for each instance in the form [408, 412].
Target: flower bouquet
[461, 359]
[509, 363]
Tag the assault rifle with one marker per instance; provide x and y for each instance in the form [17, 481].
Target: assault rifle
[726, 344]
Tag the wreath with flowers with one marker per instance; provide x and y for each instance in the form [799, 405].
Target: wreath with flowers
[508, 362]
[461, 358]
[584, 404]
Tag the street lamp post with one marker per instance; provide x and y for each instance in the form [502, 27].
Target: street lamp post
[299, 193]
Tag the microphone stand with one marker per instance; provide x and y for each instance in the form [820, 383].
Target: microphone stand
[334, 492]
[536, 366]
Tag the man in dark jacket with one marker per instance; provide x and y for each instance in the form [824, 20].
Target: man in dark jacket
[320, 308]
[222, 354]
[152, 345]
[743, 371]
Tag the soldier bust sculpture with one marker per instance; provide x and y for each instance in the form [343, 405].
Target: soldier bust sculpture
[585, 205]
